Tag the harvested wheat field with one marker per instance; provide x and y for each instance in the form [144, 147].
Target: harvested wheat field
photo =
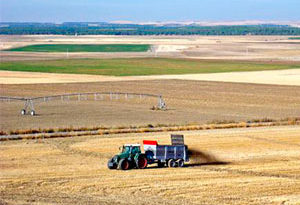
[233, 166]
[187, 102]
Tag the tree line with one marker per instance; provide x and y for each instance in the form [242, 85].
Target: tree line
[134, 29]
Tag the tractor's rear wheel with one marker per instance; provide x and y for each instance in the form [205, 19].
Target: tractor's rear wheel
[141, 162]
[123, 164]
[171, 163]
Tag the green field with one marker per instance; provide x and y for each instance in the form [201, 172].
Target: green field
[83, 48]
[138, 66]
[295, 38]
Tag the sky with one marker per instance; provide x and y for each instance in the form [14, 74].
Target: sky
[58, 11]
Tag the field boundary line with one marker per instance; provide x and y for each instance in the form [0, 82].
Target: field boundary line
[36, 134]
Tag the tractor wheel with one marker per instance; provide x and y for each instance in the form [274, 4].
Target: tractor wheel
[111, 165]
[141, 162]
[171, 163]
[160, 164]
[123, 164]
[180, 163]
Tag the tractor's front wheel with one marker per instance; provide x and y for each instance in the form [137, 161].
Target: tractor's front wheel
[111, 164]
[141, 162]
[123, 164]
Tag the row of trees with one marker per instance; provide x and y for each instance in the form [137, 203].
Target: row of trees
[130, 29]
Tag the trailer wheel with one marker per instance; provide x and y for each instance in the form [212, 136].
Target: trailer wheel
[141, 162]
[123, 164]
[171, 163]
[180, 163]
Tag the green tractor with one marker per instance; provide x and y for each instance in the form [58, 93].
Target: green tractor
[130, 157]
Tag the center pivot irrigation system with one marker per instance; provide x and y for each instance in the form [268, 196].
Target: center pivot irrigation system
[29, 102]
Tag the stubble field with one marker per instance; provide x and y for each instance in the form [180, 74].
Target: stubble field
[235, 166]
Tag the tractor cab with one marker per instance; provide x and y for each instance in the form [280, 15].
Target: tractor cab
[132, 149]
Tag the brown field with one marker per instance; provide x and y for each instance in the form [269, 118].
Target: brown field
[187, 101]
[234, 166]
[279, 48]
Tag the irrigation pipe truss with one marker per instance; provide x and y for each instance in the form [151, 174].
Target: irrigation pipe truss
[29, 102]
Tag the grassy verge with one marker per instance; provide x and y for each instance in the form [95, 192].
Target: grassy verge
[294, 38]
[139, 66]
[83, 48]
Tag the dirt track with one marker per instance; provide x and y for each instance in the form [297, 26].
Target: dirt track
[237, 166]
